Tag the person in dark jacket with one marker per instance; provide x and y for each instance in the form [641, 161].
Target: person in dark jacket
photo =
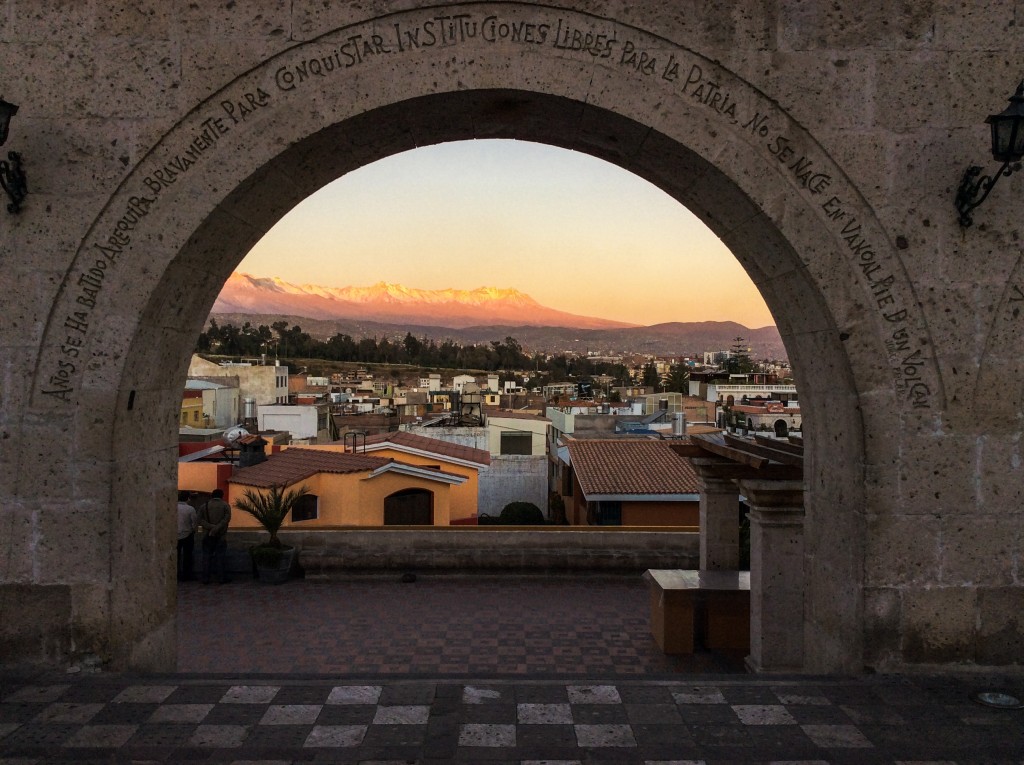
[214, 518]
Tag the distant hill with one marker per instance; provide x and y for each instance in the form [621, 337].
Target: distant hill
[660, 339]
[391, 310]
[395, 304]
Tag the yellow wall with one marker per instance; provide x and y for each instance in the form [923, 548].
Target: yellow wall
[192, 413]
[463, 498]
[353, 499]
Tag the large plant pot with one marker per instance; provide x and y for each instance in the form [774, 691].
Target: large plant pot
[274, 573]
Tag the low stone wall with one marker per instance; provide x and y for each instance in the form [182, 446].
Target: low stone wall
[324, 552]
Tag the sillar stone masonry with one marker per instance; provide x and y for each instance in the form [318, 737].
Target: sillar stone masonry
[823, 142]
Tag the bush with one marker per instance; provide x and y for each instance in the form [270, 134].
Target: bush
[522, 514]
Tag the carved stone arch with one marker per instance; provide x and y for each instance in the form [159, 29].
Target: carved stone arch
[154, 260]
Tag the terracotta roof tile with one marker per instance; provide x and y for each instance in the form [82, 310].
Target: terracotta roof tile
[434, 445]
[627, 466]
[294, 465]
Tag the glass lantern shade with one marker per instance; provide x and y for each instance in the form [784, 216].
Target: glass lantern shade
[1008, 129]
[7, 110]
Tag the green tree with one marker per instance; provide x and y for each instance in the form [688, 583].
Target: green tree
[650, 375]
[271, 509]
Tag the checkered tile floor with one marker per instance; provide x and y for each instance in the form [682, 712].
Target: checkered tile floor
[495, 670]
[106, 718]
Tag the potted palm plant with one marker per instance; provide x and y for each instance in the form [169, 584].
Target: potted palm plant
[272, 559]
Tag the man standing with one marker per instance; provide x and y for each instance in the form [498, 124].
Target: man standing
[214, 518]
[186, 536]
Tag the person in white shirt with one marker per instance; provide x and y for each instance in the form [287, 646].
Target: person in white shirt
[186, 536]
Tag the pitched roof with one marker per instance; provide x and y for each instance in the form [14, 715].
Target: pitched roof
[623, 467]
[405, 441]
[294, 465]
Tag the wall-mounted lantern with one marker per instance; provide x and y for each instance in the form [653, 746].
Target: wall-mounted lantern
[1007, 147]
[12, 177]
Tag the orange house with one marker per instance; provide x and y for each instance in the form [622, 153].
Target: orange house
[631, 482]
[436, 454]
[349, 490]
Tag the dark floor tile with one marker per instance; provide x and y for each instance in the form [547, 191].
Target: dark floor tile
[708, 714]
[122, 714]
[395, 735]
[235, 714]
[546, 735]
[489, 713]
[197, 694]
[652, 713]
[401, 694]
[658, 733]
[163, 735]
[599, 714]
[303, 694]
[541, 694]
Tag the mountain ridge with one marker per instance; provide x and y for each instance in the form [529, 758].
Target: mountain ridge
[390, 303]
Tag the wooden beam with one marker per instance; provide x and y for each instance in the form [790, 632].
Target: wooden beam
[722, 450]
[782, 446]
[763, 451]
[711, 467]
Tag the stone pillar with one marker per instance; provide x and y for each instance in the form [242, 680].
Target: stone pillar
[719, 523]
[776, 575]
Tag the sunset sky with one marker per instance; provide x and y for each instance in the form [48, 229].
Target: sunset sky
[575, 233]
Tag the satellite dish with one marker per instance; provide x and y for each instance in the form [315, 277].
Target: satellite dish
[231, 435]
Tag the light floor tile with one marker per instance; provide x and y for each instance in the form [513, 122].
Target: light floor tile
[222, 736]
[355, 694]
[604, 735]
[789, 697]
[544, 714]
[250, 694]
[335, 736]
[180, 713]
[593, 694]
[837, 736]
[763, 714]
[486, 734]
[144, 694]
[699, 696]
[402, 715]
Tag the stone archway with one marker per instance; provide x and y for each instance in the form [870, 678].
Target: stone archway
[148, 267]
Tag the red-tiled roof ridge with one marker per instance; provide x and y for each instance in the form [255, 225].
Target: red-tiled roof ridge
[402, 438]
[296, 464]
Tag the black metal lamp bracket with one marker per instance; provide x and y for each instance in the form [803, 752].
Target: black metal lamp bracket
[13, 180]
[974, 189]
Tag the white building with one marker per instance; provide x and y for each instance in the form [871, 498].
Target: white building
[221, 402]
[267, 384]
[307, 423]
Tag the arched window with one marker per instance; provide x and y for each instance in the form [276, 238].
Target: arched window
[781, 428]
[410, 507]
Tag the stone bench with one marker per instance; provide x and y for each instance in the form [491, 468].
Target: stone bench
[692, 608]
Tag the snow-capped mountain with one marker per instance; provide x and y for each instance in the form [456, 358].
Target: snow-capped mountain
[396, 304]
